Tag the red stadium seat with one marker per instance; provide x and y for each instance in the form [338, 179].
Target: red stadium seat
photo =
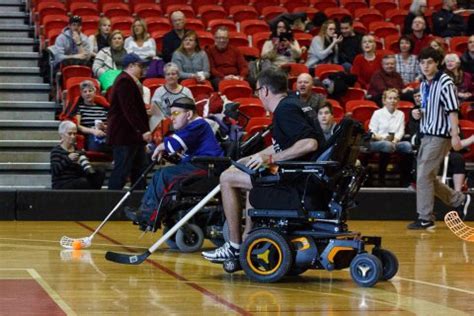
[383, 29]
[261, 4]
[146, 10]
[250, 27]
[467, 111]
[359, 27]
[271, 12]
[249, 101]
[111, 10]
[153, 84]
[237, 39]
[323, 70]
[198, 3]
[72, 71]
[292, 4]
[304, 39]
[155, 24]
[251, 111]
[241, 13]
[134, 3]
[353, 5]
[54, 22]
[256, 124]
[467, 129]
[73, 90]
[352, 94]
[249, 52]
[84, 8]
[205, 38]
[458, 44]
[384, 5]
[310, 11]
[367, 16]
[337, 13]
[234, 89]
[258, 39]
[324, 4]
[213, 25]
[187, 10]
[227, 4]
[391, 42]
[211, 12]
[396, 16]
[195, 24]
[350, 105]
[404, 4]
[363, 111]
[338, 111]
[199, 89]
[158, 37]
[166, 3]
[405, 107]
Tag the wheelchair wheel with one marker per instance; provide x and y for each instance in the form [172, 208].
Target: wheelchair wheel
[170, 242]
[189, 238]
[266, 256]
[389, 263]
[296, 271]
[366, 270]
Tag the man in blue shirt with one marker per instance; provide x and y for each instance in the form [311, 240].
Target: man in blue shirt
[193, 137]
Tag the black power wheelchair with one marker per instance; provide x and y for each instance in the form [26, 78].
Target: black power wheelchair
[299, 218]
[209, 222]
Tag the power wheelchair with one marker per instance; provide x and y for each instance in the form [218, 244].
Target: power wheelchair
[299, 218]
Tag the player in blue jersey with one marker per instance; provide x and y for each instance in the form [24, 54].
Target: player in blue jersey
[193, 136]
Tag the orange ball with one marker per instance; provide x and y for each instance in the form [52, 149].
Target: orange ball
[76, 245]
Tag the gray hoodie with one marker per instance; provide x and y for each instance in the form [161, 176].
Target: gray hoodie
[65, 46]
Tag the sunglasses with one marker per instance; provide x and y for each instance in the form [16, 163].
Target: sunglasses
[177, 113]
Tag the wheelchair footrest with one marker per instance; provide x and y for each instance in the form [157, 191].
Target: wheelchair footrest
[276, 213]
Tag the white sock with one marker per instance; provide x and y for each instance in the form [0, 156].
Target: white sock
[234, 245]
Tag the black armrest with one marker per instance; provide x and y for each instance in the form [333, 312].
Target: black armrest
[211, 160]
[306, 166]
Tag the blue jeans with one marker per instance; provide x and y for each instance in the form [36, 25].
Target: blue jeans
[93, 145]
[388, 147]
[161, 182]
[128, 160]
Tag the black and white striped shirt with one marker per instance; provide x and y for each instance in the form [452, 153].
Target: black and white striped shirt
[438, 99]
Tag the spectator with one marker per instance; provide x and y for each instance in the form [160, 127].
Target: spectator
[419, 35]
[437, 44]
[467, 59]
[141, 43]
[462, 80]
[100, 39]
[310, 101]
[289, 19]
[281, 48]
[192, 61]
[324, 47]
[417, 8]
[367, 63]
[172, 39]
[193, 137]
[316, 22]
[387, 78]
[326, 119]
[387, 126]
[350, 46]
[72, 47]
[226, 61]
[304, 85]
[70, 169]
[446, 23]
[406, 63]
[165, 95]
[110, 58]
[127, 124]
[91, 118]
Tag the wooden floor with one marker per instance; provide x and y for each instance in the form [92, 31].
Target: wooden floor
[37, 277]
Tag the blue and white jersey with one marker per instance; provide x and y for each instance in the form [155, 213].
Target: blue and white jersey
[195, 139]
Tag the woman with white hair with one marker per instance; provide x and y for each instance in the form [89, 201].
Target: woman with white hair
[91, 117]
[70, 169]
[417, 8]
[165, 95]
[462, 79]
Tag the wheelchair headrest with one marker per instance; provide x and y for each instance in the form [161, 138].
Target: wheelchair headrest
[343, 145]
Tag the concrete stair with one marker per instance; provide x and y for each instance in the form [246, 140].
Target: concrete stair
[28, 129]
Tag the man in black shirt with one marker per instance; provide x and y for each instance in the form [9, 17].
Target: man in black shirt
[467, 59]
[172, 39]
[446, 23]
[351, 42]
[293, 138]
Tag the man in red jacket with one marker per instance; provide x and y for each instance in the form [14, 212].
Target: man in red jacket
[127, 120]
[226, 61]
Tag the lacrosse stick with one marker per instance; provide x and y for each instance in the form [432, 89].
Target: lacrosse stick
[137, 259]
[85, 242]
[458, 227]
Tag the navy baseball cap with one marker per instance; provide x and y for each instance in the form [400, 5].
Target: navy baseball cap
[131, 59]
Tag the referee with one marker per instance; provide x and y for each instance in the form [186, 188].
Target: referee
[439, 130]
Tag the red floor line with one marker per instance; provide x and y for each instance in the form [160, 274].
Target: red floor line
[177, 276]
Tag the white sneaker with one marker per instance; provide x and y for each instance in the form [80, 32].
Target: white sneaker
[221, 254]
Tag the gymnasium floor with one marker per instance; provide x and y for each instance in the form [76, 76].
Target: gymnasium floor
[37, 277]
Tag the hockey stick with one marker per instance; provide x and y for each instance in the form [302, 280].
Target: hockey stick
[137, 259]
[86, 242]
[458, 227]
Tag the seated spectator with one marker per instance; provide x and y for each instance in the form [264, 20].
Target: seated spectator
[70, 169]
[171, 91]
[438, 45]
[387, 78]
[304, 86]
[226, 61]
[387, 126]
[72, 47]
[191, 60]
[446, 23]
[100, 39]
[291, 20]
[140, 42]
[110, 58]
[467, 59]
[367, 63]
[91, 118]
[350, 46]
[281, 48]
[193, 137]
[417, 8]
[462, 79]
[406, 63]
[324, 47]
[310, 101]
[326, 119]
[419, 35]
[172, 39]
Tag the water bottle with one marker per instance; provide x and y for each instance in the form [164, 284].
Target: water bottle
[97, 139]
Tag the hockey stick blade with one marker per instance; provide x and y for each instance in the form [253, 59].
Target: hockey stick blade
[127, 259]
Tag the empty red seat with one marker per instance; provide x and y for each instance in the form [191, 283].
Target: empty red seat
[211, 12]
[199, 89]
[187, 10]
[241, 13]
[195, 24]
[213, 25]
[273, 11]
[367, 16]
[384, 5]
[323, 70]
[250, 27]
[237, 39]
[337, 13]
[383, 28]
[234, 89]
[145, 10]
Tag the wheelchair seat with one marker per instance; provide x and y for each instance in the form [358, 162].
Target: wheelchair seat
[318, 190]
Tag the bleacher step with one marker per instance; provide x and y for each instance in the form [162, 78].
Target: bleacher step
[29, 143]
[16, 30]
[26, 156]
[19, 59]
[49, 124]
[7, 18]
[24, 91]
[27, 114]
[26, 180]
[20, 75]
[27, 105]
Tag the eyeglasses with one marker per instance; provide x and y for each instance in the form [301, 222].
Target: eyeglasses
[258, 89]
[177, 113]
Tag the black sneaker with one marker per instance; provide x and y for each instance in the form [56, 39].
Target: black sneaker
[463, 209]
[421, 224]
[221, 254]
